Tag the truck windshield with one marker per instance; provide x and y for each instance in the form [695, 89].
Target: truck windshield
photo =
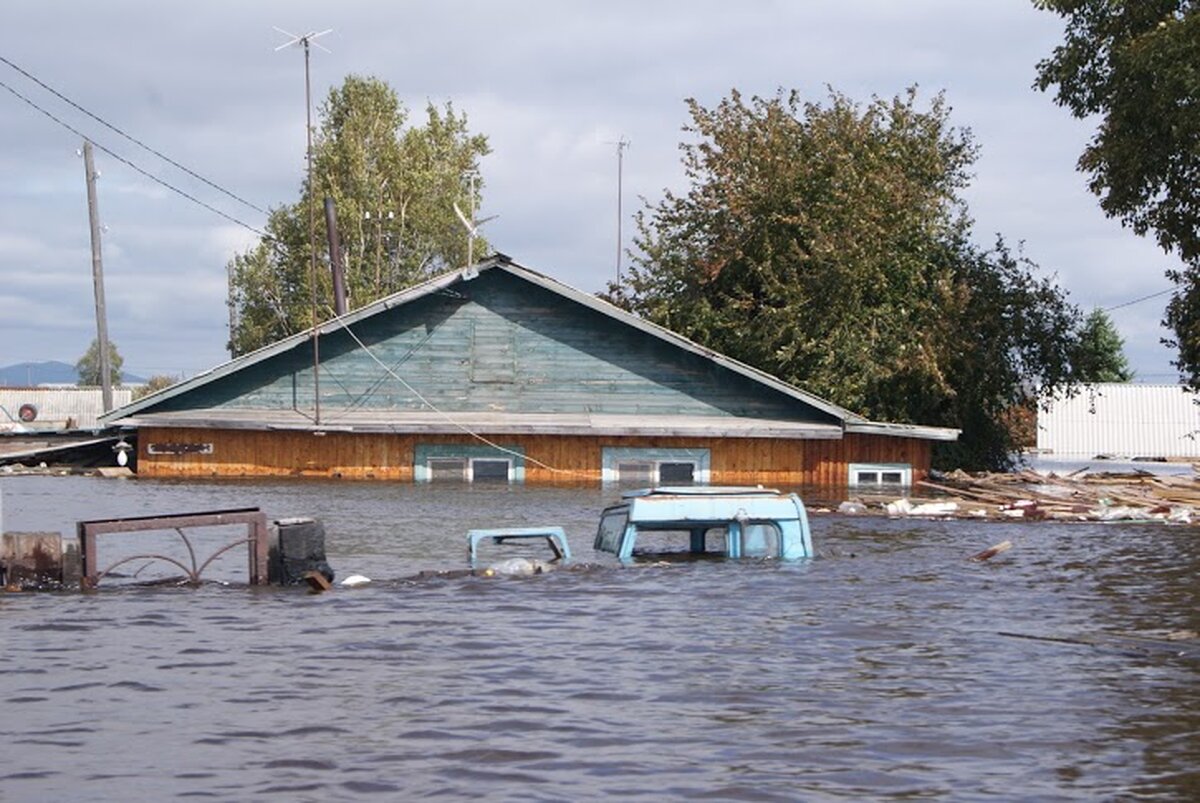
[612, 526]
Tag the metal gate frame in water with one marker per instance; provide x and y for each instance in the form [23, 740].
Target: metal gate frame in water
[254, 519]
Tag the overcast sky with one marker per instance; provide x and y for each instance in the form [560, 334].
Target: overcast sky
[552, 84]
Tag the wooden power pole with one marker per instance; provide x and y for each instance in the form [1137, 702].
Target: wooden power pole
[98, 279]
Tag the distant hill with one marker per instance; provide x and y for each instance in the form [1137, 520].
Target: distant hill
[53, 372]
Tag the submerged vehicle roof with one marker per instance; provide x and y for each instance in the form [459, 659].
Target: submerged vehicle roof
[704, 503]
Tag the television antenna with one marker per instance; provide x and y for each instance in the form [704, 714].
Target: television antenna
[469, 222]
[306, 40]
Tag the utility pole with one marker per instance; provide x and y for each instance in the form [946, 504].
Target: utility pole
[98, 279]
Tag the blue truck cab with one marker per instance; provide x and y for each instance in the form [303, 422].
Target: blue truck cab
[731, 522]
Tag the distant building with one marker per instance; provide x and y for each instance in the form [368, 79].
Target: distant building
[1123, 421]
[500, 373]
[43, 409]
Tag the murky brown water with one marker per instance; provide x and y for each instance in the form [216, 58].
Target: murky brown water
[875, 671]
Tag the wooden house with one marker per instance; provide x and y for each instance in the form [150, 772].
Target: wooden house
[497, 372]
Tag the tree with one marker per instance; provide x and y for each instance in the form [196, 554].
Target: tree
[88, 366]
[153, 385]
[1136, 64]
[394, 186]
[1101, 356]
[827, 245]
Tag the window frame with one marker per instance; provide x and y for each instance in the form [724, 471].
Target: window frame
[903, 470]
[613, 457]
[426, 453]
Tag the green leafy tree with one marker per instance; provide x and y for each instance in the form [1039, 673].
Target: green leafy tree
[1101, 356]
[828, 245]
[1135, 64]
[88, 366]
[394, 186]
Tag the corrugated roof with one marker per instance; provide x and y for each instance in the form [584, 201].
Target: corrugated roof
[128, 415]
[57, 408]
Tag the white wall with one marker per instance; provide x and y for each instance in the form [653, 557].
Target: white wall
[1122, 420]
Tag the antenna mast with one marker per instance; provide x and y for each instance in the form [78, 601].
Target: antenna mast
[304, 40]
[621, 144]
[469, 222]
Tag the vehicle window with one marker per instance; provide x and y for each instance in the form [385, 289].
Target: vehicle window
[666, 542]
[612, 526]
[761, 539]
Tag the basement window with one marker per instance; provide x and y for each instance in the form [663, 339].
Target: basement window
[886, 475]
[653, 467]
[446, 462]
[442, 469]
[485, 469]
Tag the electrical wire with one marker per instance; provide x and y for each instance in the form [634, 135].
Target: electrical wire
[466, 430]
[140, 170]
[1140, 300]
[131, 138]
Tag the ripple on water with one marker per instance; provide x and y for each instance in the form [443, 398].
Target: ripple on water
[876, 672]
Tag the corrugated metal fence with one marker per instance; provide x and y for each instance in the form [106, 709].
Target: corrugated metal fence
[1122, 420]
[55, 408]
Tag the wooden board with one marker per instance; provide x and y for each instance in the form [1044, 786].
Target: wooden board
[548, 459]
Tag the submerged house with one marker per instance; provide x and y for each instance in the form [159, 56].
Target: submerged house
[500, 373]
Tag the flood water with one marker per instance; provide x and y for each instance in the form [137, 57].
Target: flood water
[876, 671]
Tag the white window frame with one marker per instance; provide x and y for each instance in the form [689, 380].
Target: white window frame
[879, 469]
[612, 457]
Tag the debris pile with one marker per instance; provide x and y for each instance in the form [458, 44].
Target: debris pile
[1028, 495]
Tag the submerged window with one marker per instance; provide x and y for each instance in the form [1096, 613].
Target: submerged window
[612, 527]
[635, 473]
[676, 473]
[702, 540]
[761, 539]
[884, 474]
[447, 462]
[443, 469]
[488, 470]
[654, 466]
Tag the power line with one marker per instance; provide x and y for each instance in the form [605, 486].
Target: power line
[131, 138]
[1140, 300]
[140, 170]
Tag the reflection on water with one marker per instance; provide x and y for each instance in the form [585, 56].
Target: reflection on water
[876, 670]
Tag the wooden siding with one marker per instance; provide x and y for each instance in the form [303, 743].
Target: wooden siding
[548, 459]
[500, 344]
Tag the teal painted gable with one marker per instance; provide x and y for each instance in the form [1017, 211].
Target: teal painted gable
[495, 344]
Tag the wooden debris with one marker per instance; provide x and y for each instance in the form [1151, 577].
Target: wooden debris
[992, 552]
[1027, 495]
[317, 582]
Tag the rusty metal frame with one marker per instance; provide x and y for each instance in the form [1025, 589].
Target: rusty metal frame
[254, 519]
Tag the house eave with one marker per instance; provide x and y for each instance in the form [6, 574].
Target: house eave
[491, 424]
[902, 430]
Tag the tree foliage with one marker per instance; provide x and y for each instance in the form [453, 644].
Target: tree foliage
[1136, 64]
[153, 385]
[394, 185]
[1101, 355]
[827, 244]
[88, 366]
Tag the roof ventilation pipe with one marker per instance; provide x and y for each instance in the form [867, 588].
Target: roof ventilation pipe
[335, 259]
